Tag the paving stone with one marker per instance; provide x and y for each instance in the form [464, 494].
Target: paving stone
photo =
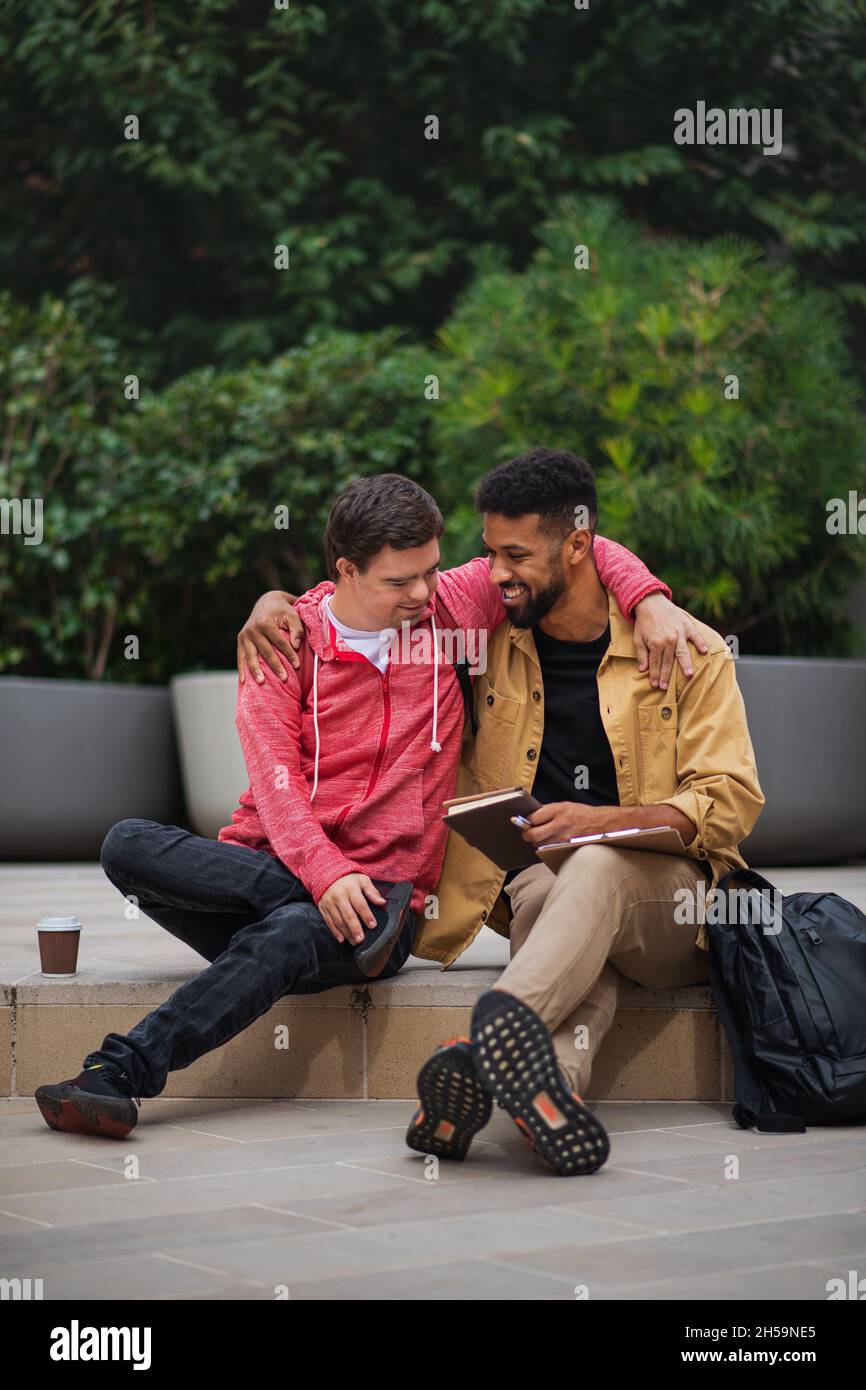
[236, 1196]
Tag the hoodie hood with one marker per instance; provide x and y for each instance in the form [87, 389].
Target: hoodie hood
[309, 610]
[311, 613]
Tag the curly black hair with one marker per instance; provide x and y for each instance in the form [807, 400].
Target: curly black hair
[551, 482]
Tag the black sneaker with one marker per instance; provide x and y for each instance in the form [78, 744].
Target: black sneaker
[373, 953]
[88, 1105]
[514, 1059]
[454, 1104]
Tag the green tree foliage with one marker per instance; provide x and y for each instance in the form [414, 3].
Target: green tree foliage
[160, 514]
[161, 518]
[59, 389]
[626, 362]
[305, 126]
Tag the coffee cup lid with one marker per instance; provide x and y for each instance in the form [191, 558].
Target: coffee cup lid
[58, 924]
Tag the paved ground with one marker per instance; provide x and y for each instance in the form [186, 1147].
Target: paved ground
[216, 1199]
[233, 1199]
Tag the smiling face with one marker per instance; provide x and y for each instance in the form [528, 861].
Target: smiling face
[526, 564]
[394, 587]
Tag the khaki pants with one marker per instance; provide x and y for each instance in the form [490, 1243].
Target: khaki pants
[608, 912]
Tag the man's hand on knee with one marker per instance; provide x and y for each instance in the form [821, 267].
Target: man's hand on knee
[345, 906]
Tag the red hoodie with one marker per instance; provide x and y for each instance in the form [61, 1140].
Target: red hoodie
[351, 779]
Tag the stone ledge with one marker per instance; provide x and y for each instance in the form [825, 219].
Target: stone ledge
[354, 1042]
[665, 1044]
[415, 987]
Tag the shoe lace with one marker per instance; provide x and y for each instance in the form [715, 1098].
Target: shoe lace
[122, 1076]
[119, 1074]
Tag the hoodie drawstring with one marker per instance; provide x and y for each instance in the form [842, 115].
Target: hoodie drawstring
[435, 745]
[315, 721]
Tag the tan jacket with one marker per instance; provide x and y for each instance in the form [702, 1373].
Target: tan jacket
[687, 746]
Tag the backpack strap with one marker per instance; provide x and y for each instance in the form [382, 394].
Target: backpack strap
[768, 1121]
[305, 671]
[461, 671]
[748, 876]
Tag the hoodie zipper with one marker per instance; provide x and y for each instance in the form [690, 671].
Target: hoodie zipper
[380, 751]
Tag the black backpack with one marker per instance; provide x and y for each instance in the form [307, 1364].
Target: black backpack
[788, 975]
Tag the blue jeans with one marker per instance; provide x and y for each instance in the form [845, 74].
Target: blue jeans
[246, 913]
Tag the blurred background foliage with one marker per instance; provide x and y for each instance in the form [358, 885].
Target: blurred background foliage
[305, 126]
[633, 357]
[409, 257]
[160, 515]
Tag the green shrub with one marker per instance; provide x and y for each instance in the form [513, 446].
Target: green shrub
[216, 454]
[61, 391]
[160, 514]
[625, 362]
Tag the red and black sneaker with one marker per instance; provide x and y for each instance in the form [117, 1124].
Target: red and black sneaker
[454, 1104]
[77, 1107]
[514, 1059]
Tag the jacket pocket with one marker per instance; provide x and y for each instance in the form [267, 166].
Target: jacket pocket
[389, 821]
[658, 751]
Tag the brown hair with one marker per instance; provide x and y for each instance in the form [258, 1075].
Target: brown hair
[386, 509]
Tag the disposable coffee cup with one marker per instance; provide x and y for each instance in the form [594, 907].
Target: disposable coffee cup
[58, 945]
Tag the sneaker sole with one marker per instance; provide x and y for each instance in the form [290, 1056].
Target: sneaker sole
[515, 1060]
[85, 1113]
[372, 963]
[454, 1106]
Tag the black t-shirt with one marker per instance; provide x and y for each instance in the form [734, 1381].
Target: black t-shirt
[575, 762]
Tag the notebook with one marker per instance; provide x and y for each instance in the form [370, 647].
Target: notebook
[660, 839]
[484, 821]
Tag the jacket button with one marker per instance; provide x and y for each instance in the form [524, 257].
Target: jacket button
[490, 699]
[666, 713]
[531, 755]
[536, 694]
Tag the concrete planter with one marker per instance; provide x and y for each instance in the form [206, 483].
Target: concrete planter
[76, 756]
[212, 764]
[807, 718]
